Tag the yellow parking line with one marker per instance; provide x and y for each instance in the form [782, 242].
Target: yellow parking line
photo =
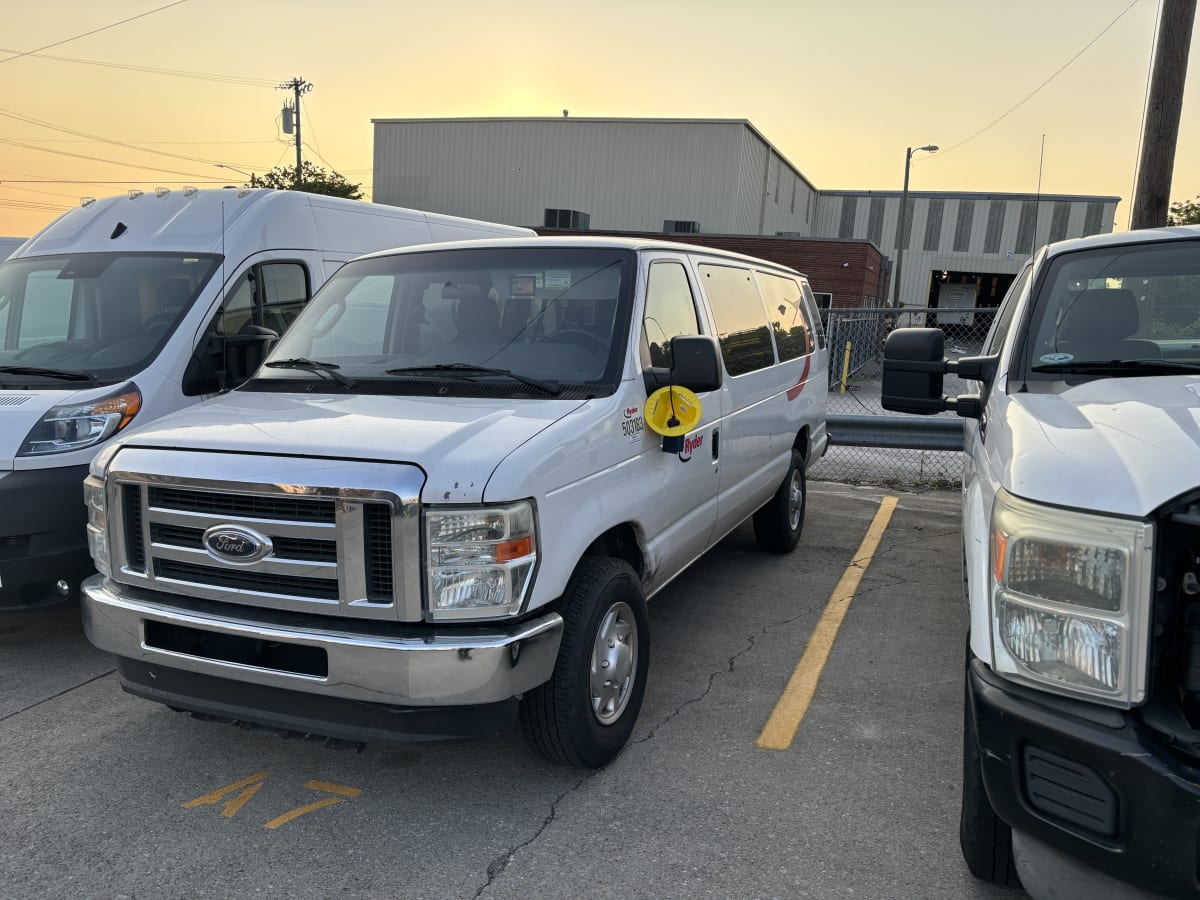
[781, 727]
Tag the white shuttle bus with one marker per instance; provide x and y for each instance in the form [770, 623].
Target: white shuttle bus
[130, 307]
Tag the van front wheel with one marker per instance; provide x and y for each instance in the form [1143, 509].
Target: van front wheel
[585, 713]
[777, 525]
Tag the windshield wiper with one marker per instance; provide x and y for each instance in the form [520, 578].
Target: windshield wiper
[466, 370]
[312, 365]
[1121, 367]
[60, 374]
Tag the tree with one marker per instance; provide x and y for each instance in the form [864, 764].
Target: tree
[316, 180]
[1185, 212]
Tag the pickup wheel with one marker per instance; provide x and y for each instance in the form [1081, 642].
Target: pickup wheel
[985, 838]
[777, 525]
[584, 714]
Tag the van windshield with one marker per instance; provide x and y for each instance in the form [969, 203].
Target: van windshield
[1128, 310]
[98, 317]
[487, 322]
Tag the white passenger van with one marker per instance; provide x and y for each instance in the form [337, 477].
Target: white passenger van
[131, 307]
[439, 494]
[1081, 541]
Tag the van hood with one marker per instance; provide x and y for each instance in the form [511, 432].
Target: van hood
[1117, 445]
[457, 442]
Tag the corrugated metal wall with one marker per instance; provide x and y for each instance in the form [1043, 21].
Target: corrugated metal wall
[628, 175]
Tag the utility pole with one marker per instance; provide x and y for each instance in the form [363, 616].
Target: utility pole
[299, 87]
[902, 225]
[1152, 198]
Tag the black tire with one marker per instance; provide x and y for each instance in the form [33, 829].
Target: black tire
[558, 717]
[775, 527]
[985, 838]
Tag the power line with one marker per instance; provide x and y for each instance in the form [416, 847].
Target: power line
[148, 70]
[83, 134]
[33, 140]
[93, 31]
[1030, 95]
[97, 158]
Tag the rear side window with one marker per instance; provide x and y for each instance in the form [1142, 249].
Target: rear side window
[670, 310]
[741, 320]
[785, 309]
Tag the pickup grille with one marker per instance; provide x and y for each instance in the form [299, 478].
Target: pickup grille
[332, 550]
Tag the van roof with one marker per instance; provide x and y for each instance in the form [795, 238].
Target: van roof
[203, 221]
[595, 242]
[1141, 236]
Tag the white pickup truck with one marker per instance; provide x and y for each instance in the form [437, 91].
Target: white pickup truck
[442, 494]
[1081, 547]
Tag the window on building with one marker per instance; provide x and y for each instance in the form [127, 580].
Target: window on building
[875, 221]
[741, 321]
[785, 310]
[849, 213]
[995, 225]
[964, 225]
[1092, 218]
[904, 229]
[567, 219]
[680, 226]
[933, 224]
[670, 311]
[1058, 224]
[1026, 225]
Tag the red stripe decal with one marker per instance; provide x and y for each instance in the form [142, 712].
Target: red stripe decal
[794, 392]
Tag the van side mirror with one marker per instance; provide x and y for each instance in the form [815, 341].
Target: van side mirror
[696, 363]
[913, 367]
[224, 361]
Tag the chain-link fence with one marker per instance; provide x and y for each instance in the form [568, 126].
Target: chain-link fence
[855, 339]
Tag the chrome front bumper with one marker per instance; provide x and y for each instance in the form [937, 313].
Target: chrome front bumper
[422, 666]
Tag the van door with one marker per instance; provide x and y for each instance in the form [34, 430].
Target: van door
[683, 513]
[753, 460]
[268, 294]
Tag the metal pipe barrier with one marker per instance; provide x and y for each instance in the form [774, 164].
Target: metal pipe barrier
[896, 432]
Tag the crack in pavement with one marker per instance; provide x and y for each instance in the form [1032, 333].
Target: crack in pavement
[497, 866]
[73, 687]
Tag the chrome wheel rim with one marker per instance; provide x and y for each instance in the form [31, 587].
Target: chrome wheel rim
[614, 663]
[795, 501]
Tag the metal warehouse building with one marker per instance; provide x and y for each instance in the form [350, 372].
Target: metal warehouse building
[718, 177]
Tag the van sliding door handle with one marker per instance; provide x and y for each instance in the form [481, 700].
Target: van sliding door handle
[716, 442]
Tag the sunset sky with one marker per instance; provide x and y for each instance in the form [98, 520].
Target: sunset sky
[841, 87]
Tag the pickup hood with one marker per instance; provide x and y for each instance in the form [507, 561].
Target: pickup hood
[457, 442]
[1118, 445]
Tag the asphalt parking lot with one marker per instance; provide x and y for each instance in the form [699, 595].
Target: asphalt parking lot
[103, 795]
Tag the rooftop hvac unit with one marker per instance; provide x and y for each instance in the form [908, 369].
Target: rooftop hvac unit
[568, 219]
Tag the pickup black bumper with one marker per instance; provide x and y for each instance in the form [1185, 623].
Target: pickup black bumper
[1089, 784]
[43, 535]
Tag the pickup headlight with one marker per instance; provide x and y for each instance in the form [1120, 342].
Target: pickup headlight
[74, 426]
[97, 526]
[1071, 600]
[480, 560]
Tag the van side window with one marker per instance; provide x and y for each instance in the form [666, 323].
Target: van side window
[814, 314]
[1008, 308]
[670, 311]
[785, 309]
[741, 320]
[270, 295]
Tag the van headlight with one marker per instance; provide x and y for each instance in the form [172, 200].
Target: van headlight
[75, 426]
[97, 525]
[1071, 600]
[479, 560]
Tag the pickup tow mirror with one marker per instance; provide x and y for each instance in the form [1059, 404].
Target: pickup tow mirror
[913, 365]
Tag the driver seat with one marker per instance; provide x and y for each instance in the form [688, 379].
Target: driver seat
[1099, 324]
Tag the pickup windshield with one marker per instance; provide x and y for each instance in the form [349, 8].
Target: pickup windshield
[483, 322]
[98, 317]
[1124, 311]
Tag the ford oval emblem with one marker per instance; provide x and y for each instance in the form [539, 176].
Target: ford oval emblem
[235, 544]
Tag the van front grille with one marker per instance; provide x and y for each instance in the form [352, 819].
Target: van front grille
[285, 585]
[244, 506]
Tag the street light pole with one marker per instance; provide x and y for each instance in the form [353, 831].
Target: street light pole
[902, 225]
